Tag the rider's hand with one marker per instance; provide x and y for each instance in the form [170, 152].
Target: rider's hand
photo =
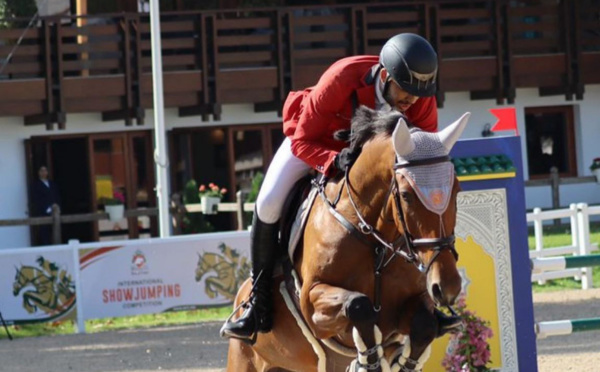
[345, 158]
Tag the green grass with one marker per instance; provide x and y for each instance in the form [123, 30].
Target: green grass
[561, 236]
[127, 322]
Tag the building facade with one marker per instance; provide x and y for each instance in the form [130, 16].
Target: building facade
[76, 95]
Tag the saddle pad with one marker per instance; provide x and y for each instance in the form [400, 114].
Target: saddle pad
[300, 222]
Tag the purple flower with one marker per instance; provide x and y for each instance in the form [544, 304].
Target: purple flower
[469, 349]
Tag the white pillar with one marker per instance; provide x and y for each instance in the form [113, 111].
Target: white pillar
[160, 148]
[80, 324]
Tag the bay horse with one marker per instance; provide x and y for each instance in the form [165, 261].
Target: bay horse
[377, 257]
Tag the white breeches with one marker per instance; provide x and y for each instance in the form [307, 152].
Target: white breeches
[284, 171]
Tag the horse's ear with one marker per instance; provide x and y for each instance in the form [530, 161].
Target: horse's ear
[452, 132]
[403, 143]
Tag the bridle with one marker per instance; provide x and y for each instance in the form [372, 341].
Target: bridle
[436, 244]
[405, 246]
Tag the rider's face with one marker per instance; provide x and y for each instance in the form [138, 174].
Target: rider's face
[395, 96]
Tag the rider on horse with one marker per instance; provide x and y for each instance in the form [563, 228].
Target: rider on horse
[402, 78]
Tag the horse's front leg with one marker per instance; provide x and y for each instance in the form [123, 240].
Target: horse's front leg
[416, 349]
[208, 289]
[27, 303]
[337, 310]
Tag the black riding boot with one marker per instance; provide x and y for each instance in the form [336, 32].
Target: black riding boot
[257, 316]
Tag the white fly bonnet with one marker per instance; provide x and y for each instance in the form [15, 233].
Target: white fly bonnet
[432, 183]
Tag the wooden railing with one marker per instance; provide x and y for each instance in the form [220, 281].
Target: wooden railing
[178, 210]
[102, 63]
[555, 181]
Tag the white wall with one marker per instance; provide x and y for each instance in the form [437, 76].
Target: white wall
[13, 187]
[587, 133]
[13, 178]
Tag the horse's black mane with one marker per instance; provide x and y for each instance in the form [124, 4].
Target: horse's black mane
[368, 123]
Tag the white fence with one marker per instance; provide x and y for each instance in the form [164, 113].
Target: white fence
[579, 215]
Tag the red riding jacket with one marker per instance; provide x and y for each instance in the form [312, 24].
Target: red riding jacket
[311, 116]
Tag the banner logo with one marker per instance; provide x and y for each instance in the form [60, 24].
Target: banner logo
[139, 263]
[229, 271]
[47, 288]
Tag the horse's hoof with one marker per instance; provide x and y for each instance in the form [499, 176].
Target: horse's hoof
[447, 323]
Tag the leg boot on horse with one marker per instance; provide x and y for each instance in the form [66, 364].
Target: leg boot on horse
[257, 316]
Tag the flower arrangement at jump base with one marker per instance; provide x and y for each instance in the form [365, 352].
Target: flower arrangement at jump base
[210, 197]
[595, 168]
[469, 348]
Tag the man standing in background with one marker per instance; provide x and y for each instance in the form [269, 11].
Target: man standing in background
[45, 194]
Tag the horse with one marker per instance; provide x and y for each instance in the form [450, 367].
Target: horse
[377, 257]
[230, 272]
[53, 293]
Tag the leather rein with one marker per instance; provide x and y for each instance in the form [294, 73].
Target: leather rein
[405, 245]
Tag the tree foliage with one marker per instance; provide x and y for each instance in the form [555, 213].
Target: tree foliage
[17, 8]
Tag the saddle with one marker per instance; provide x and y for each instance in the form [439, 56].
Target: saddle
[298, 205]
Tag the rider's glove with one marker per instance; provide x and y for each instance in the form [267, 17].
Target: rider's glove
[345, 158]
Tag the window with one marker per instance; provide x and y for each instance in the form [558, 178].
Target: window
[550, 141]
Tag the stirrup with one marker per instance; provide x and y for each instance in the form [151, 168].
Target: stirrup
[244, 304]
[251, 340]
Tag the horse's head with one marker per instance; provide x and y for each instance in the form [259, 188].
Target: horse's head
[22, 278]
[425, 203]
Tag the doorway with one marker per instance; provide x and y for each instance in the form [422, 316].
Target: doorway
[550, 136]
[121, 167]
[85, 166]
[230, 156]
[71, 171]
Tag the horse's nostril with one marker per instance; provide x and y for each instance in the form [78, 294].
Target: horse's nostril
[436, 291]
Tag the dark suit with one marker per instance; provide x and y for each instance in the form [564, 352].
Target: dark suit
[43, 198]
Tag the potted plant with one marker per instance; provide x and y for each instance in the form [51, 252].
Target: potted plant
[194, 223]
[469, 350]
[595, 168]
[115, 206]
[210, 197]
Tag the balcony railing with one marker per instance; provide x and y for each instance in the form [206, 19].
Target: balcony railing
[102, 63]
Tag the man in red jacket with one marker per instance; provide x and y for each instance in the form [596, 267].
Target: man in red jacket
[401, 78]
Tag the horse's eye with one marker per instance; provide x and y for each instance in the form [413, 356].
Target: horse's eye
[405, 196]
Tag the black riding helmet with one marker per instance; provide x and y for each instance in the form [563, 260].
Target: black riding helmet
[411, 62]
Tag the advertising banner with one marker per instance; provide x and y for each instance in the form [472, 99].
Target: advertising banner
[163, 274]
[37, 285]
